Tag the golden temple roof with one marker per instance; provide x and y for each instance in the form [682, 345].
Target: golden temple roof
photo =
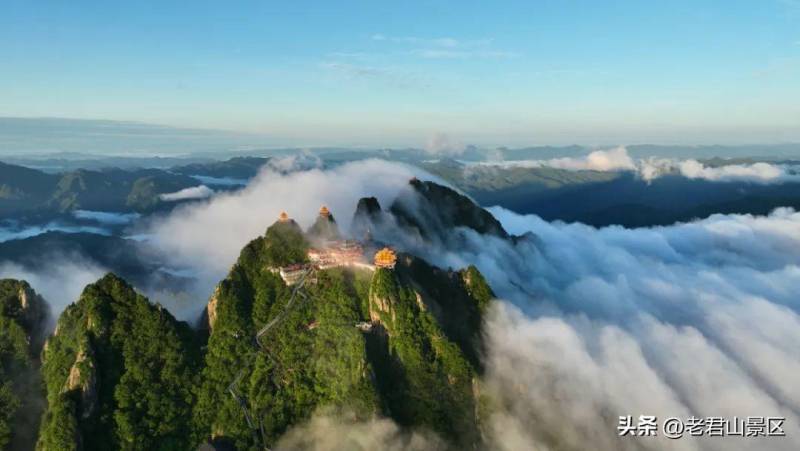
[385, 258]
[323, 211]
[284, 217]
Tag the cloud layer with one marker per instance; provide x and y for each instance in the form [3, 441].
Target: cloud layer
[207, 237]
[692, 319]
[195, 192]
[15, 231]
[617, 159]
[61, 283]
[698, 319]
[106, 217]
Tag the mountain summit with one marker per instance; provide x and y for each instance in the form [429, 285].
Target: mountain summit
[290, 337]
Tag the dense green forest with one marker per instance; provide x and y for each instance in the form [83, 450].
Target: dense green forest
[22, 319]
[408, 365]
[119, 373]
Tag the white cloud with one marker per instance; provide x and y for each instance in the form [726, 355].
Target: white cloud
[207, 237]
[61, 283]
[293, 163]
[15, 231]
[195, 192]
[443, 145]
[106, 217]
[760, 172]
[219, 181]
[757, 171]
[692, 319]
[616, 159]
[648, 169]
[329, 431]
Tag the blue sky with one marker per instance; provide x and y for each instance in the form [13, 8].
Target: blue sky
[375, 73]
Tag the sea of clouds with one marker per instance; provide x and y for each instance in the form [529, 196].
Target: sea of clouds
[697, 319]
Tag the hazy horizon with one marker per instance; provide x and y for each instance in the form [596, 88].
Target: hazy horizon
[21, 136]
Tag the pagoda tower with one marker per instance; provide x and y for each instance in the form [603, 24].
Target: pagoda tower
[385, 258]
[284, 217]
[324, 212]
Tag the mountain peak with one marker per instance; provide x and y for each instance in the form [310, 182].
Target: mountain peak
[324, 227]
[434, 210]
[401, 342]
[116, 366]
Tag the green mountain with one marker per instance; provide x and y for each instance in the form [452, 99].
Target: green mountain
[23, 314]
[485, 178]
[392, 342]
[284, 341]
[433, 211]
[119, 373]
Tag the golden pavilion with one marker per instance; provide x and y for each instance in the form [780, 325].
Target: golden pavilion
[385, 258]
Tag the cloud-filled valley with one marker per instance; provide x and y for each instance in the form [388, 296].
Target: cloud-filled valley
[699, 318]
[694, 319]
[195, 192]
[691, 319]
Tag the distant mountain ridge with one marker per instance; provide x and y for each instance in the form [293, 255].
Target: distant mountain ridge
[614, 198]
[26, 191]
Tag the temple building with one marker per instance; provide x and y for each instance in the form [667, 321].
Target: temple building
[385, 258]
[324, 212]
[284, 217]
[336, 253]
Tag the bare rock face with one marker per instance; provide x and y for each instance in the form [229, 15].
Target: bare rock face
[380, 309]
[211, 309]
[34, 308]
[21, 303]
[83, 377]
[382, 299]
